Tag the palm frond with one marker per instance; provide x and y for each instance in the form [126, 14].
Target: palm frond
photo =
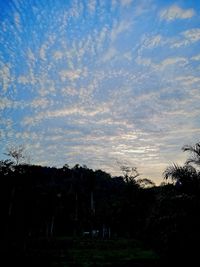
[195, 153]
[180, 173]
[172, 171]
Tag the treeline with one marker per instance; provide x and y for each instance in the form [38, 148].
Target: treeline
[43, 203]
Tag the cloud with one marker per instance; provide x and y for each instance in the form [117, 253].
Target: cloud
[43, 51]
[70, 91]
[45, 46]
[5, 76]
[64, 112]
[144, 61]
[173, 60]
[23, 79]
[196, 58]
[175, 12]
[70, 99]
[119, 28]
[91, 6]
[110, 54]
[188, 80]
[153, 41]
[170, 61]
[5, 103]
[29, 79]
[27, 135]
[17, 21]
[126, 3]
[40, 103]
[186, 38]
[192, 35]
[58, 55]
[70, 74]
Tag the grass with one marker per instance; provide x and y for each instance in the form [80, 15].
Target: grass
[105, 257]
[90, 253]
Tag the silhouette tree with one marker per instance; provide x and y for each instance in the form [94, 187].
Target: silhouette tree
[195, 153]
[179, 173]
[129, 173]
[16, 153]
[145, 183]
[185, 177]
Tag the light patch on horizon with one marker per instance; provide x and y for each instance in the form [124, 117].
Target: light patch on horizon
[100, 82]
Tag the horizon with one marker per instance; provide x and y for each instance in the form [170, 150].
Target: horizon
[100, 83]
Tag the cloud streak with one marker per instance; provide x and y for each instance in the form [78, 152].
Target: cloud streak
[175, 12]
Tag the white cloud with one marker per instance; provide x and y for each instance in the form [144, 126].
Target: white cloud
[91, 6]
[126, 3]
[76, 110]
[119, 28]
[144, 61]
[187, 37]
[45, 46]
[17, 20]
[40, 103]
[179, 43]
[188, 80]
[101, 37]
[196, 58]
[153, 42]
[30, 55]
[5, 103]
[43, 51]
[70, 74]
[58, 55]
[147, 62]
[30, 78]
[175, 12]
[23, 79]
[173, 60]
[193, 35]
[111, 53]
[5, 77]
[114, 4]
[69, 91]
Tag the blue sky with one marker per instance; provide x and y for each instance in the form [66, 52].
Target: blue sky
[99, 82]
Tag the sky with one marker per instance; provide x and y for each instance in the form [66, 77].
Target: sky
[103, 83]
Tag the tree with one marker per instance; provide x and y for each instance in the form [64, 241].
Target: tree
[145, 183]
[16, 153]
[195, 153]
[129, 173]
[179, 173]
[187, 175]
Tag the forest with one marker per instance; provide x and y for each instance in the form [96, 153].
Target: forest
[82, 217]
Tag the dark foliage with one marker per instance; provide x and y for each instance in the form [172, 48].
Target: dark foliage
[41, 203]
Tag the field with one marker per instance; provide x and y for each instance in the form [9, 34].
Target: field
[67, 252]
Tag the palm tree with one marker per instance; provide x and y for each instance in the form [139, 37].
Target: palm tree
[180, 173]
[195, 154]
[185, 177]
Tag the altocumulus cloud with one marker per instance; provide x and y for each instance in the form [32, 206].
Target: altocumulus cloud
[100, 82]
[175, 12]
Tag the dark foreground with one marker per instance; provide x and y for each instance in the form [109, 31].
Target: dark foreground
[66, 252]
